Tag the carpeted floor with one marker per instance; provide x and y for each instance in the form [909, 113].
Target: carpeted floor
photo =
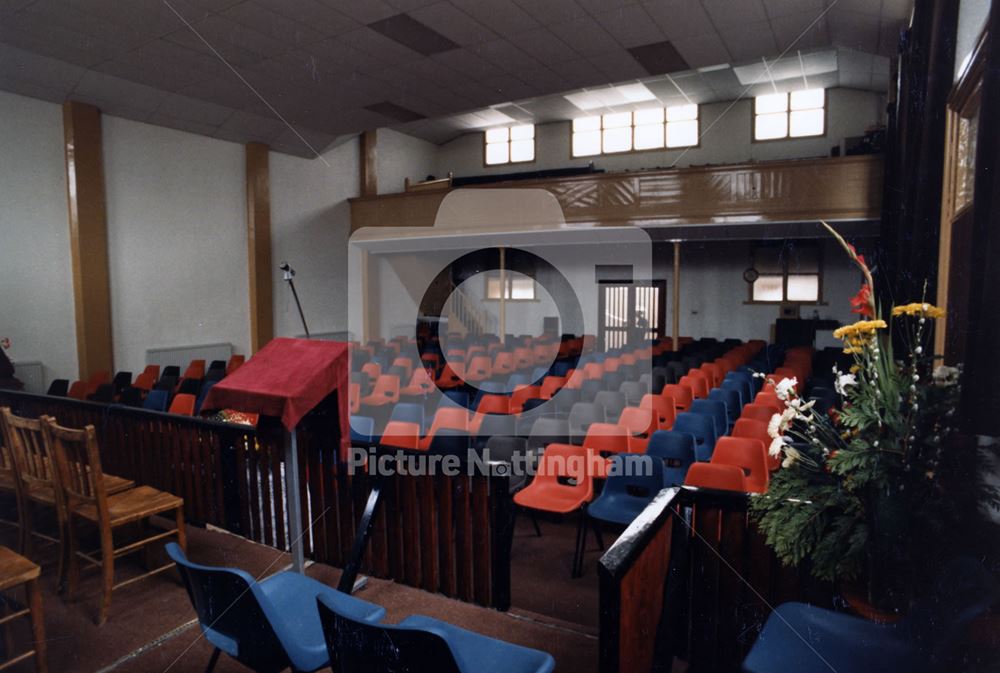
[151, 627]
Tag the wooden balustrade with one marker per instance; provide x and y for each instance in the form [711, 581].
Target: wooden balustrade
[445, 534]
[691, 579]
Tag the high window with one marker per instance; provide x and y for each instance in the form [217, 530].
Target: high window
[509, 145]
[789, 272]
[648, 129]
[799, 114]
[519, 286]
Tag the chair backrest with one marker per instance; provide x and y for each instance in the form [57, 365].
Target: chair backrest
[479, 368]
[581, 416]
[494, 425]
[758, 412]
[716, 411]
[182, 404]
[156, 400]
[189, 386]
[730, 398]
[401, 435]
[408, 411]
[228, 604]
[681, 395]
[493, 404]
[78, 461]
[357, 646]
[452, 418]
[234, 363]
[567, 461]
[639, 424]
[633, 391]
[29, 454]
[505, 447]
[566, 398]
[195, 370]
[769, 400]
[58, 388]
[740, 387]
[676, 450]
[711, 475]
[746, 454]
[104, 392]
[697, 384]
[750, 428]
[551, 385]
[634, 476]
[663, 407]
[547, 431]
[362, 430]
[131, 397]
[451, 442]
[606, 438]
[613, 403]
[121, 380]
[77, 390]
[702, 428]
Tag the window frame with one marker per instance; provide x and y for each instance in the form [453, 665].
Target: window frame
[602, 153]
[788, 117]
[509, 162]
[785, 301]
[489, 275]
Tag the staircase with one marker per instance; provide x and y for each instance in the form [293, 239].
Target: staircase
[467, 315]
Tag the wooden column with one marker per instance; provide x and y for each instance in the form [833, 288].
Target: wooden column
[677, 294]
[88, 234]
[260, 267]
[503, 296]
[369, 178]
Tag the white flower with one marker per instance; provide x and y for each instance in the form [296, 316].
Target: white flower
[792, 455]
[775, 449]
[946, 376]
[785, 388]
[843, 382]
[774, 426]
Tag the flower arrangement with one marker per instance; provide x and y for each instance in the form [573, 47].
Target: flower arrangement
[872, 488]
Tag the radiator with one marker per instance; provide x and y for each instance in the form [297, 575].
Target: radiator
[182, 355]
[32, 375]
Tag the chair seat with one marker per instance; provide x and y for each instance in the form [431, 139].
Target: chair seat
[293, 596]
[15, 569]
[132, 505]
[6, 481]
[807, 639]
[113, 485]
[476, 653]
[549, 498]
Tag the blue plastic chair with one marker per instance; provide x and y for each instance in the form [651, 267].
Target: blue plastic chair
[454, 398]
[716, 411]
[702, 428]
[742, 388]
[676, 450]
[730, 398]
[515, 380]
[451, 442]
[156, 400]
[363, 431]
[409, 412]
[420, 644]
[807, 639]
[633, 482]
[269, 625]
[205, 387]
[559, 368]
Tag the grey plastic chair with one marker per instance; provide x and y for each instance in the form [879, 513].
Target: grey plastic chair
[633, 391]
[613, 402]
[581, 416]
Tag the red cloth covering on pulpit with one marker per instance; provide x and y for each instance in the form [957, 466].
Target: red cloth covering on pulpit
[287, 378]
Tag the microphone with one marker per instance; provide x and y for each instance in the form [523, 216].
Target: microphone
[289, 275]
[289, 271]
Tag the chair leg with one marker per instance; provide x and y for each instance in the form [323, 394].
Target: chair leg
[581, 543]
[597, 533]
[214, 660]
[72, 560]
[37, 626]
[107, 574]
[534, 522]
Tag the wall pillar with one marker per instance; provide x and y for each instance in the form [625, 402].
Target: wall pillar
[88, 233]
[261, 269]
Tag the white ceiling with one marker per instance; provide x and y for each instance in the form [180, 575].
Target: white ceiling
[247, 69]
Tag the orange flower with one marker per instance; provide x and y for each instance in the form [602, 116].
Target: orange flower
[861, 303]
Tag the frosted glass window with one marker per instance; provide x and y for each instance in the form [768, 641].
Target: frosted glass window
[649, 116]
[509, 145]
[806, 123]
[649, 136]
[799, 114]
[810, 99]
[617, 120]
[682, 133]
[771, 126]
[617, 139]
[680, 113]
[586, 143]
[803, 288]
[519, 286]
[768, 288]
[587, 124]
[772, 102]
[645, 129]
[522, 287]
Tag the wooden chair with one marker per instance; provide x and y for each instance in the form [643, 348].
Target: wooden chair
[15, 570]
[8, 475]
[87, 500]
[36, 482]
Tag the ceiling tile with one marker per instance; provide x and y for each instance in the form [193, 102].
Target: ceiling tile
[34, 34]
[313, 14]
[578, 73]
[544, 46]
[20, 87]
[598, 6]
[854, 30]
[378, 46]
[227, 91]
[750, 41]
[410, 5]
[630, 25]
[800, 31]
[363, 11]
[776, 8]
[703, 51]
[165, 65]
[659, 58]
[729, 13]
[185, 107]
[896, 11]
[453, 23]
[54, 14]
[11, 6]
[506, 56]
[862, 6]
[109, 88]
[236, 43]
[244, 127]
[680, 19]
[182, 124]
[585, 36]
[502, 16]
[552, 11]
[41, 70]
[272, 24]
[888, 40]
[406, 30]
[506, 88]
[467, 63]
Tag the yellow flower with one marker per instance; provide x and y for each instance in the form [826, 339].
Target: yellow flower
[923, 310]
[860, 332]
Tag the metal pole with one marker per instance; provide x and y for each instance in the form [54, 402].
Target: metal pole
[503, 297]
[677, 294]
[293, 503]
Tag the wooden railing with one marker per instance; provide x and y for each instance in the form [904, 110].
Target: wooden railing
[690, 579]
[801, 190]
[445, 534]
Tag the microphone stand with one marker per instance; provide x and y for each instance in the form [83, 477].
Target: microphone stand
[289, 275]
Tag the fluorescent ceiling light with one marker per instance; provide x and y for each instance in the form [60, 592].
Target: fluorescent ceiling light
[713, 68]
[635, 93]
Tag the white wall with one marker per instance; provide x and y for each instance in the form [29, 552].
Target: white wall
[177, 243]
[36, 284]
[310, 225]
[972, 16]
[726, 138]
[399, 156]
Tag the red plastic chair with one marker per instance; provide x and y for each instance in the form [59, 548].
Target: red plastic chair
[523, 358]
[606, 438]
[145, 381]
[452, 376]
[612, 364]
[639, 423]
[681, 395]
[401, 435]
[449, 418]
[753, 429]
[493, 404]
[769, 400]
[697, 381]
[386, 391]
[758, 412]
[235, 362]
[195, 370]
[663, 407]
[354, 397]
[373, 369]
[97, 379]
[182, 404]
[713, 475]
[593, 370]
[480, 369]
[504, 363]
[404, 362]
[552, 385]
[747, 454]
[420, 383]
[714, 374]
[522, 394]
[77, 390]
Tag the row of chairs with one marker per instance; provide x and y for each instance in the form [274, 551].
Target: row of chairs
[58, 469]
